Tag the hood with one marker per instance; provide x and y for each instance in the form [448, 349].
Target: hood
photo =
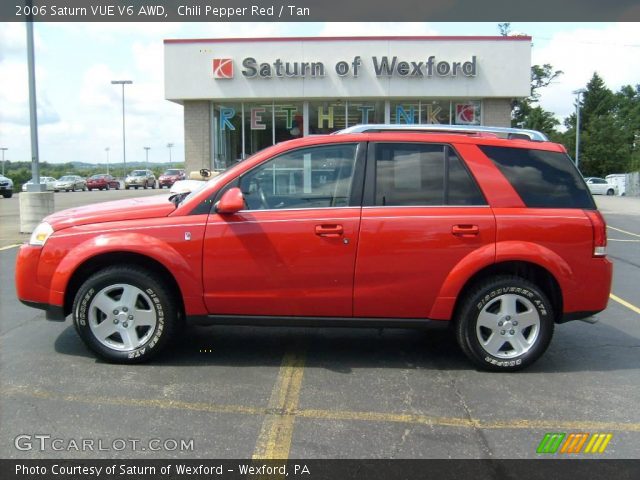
[119, 210]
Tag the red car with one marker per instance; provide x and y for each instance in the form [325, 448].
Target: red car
[171, 176]
[102, 182]
[374, 226]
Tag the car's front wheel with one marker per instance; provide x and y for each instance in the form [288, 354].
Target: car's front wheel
[504, 324]
[125, 314]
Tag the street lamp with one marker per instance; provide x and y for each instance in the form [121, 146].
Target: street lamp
[169, 146]
[578, 93]
[147, 154]
[4, 149]
[124, 151]
[107, 150]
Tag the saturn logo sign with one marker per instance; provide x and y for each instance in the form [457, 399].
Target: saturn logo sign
[222, 68]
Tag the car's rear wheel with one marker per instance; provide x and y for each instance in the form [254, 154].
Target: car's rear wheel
[504, 324]
[610, 192]
[125, 314]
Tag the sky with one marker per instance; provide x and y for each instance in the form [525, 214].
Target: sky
[79, 111]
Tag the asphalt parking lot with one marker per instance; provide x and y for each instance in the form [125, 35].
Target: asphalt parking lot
[241, 392]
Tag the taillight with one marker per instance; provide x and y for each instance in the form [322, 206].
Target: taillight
[599, 233]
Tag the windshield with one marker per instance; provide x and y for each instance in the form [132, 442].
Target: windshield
[66, 178]
[138, 173]
[172, 172]
[96, 177]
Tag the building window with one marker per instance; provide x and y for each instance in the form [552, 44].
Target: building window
[364, 112]
[327, 117]
[466, 112]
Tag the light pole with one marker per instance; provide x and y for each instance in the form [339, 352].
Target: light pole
[578, 93]
[124, 150]
[147, 155]
[107, 150]
[169, 146]
[4, 149]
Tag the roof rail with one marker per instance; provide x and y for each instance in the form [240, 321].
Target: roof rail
[512, 133]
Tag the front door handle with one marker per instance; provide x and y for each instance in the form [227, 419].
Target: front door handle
[465, 230]
[329, 230]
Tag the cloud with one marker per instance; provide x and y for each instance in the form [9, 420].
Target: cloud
[353, 29]
[611, 51]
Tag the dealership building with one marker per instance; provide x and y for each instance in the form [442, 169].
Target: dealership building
[242, 95]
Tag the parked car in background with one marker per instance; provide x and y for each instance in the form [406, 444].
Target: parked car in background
[71, 183]
[102, 181]
[619, 180]
[600, 186]
[376, 225]
[6, 186]
[49, 181]
[140, 178]
[170, 176]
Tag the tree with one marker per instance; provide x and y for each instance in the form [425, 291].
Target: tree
[525, 112]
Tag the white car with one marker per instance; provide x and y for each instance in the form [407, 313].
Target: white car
[71, 183]
[599, 186]
[49, 181]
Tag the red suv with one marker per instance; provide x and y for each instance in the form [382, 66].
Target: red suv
[377, 226]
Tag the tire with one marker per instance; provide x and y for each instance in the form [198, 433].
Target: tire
[136, 187]
[107, 187]
[153, 185]
[7, 194]
[610, 192]
[121, 339]
[487, 313]
[127, 187]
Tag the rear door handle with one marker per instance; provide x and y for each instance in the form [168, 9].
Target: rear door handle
[326, 230]
[465, 230]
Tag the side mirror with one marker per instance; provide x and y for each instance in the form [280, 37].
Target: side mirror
[232, 201]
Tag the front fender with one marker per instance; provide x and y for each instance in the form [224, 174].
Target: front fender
[188, 281]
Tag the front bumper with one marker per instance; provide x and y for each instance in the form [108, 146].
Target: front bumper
[29, 291]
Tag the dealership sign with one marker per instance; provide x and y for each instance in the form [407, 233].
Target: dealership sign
[384, 67]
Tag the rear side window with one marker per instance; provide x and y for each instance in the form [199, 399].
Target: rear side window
[414, 174]
[542, 179]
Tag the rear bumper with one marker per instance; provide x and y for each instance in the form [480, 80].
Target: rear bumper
[53, 312]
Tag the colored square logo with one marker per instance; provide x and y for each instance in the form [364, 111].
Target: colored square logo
[222, 68]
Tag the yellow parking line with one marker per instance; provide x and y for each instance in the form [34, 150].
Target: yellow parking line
[419, 419]
[630, 306]
[623, 231]
[10, 246]
[288, 394]
[274, 440]
[132, 402]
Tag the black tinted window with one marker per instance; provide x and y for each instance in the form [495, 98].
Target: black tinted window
[542, 179]
[422, 174]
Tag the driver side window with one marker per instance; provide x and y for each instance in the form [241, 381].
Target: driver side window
[315, 177]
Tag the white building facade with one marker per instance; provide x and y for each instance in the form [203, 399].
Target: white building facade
[242, 95]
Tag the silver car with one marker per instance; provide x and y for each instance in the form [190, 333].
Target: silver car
[50, 183]
[71, 183]
[140, 178]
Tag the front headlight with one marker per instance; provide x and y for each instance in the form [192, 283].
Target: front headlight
[41, 234]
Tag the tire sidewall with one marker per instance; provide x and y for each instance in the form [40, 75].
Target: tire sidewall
[165, 315]
[481, 298]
